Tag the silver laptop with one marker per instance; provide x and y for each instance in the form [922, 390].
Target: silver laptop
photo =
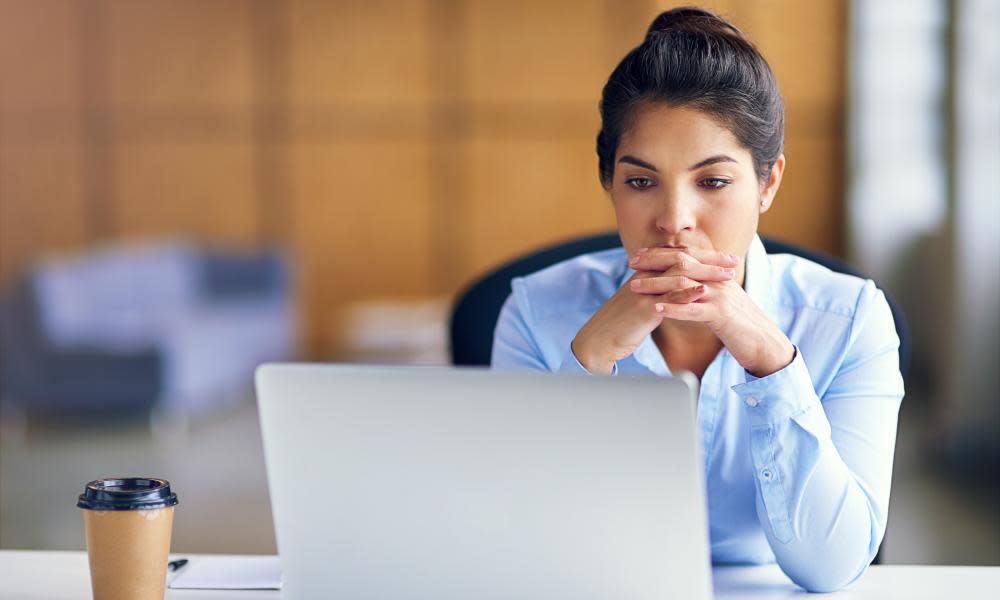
[438, 483]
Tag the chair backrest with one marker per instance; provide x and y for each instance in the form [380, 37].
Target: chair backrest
[475, 314]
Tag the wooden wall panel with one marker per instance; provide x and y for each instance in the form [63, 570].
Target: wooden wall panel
[39, 54]
[178, 91]
[527, 193]
[199, 190]
[41, 157]
[361, 215]
[535, 52]
[178, 54]
[533, 77]
[360, 227]
[359, 52]
[41, 204]
[806, 53]
[808, 57]
[807, 210]
[398, 147]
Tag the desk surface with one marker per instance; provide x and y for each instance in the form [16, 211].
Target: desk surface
[28, 575]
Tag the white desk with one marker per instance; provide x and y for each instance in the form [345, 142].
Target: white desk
[65, 576]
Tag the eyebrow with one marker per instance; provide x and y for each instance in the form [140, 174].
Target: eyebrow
[711, 160]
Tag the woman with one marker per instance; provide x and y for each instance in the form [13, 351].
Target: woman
[799, 368]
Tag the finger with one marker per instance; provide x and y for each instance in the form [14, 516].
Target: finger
[664, 258]
[690, 267]
[685, 295]
[662, 284]
[691, 311]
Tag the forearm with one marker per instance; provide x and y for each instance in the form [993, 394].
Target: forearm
[823, 518]
[822, 527]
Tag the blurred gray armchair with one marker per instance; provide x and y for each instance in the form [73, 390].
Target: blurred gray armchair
[128, 330]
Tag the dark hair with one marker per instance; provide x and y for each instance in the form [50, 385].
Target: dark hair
[692, 57]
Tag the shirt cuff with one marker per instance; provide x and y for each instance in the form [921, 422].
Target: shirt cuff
[571, 364]
[779, 396]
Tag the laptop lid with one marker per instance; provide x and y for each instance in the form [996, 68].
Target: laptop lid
[410, 482]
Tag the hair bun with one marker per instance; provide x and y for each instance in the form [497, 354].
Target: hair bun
[692, 20]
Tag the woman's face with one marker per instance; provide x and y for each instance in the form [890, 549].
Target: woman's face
[682, 179]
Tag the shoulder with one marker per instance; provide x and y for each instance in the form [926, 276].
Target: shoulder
[838, 321]
[801, 284]
[547, 308]
[834, 315]
[582, 283]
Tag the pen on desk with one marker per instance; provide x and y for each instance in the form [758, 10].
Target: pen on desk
[175, 565]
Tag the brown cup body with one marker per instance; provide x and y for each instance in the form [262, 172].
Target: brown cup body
[128, 552]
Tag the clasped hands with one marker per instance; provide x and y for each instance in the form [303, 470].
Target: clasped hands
[686, 285]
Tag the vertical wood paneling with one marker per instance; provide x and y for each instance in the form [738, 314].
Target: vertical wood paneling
[177, 54]
[39, 54]
[534, 75]
[200, 190]
[527, 193]
[360, 226]
[808, 58]
[360, 217]
[41, 204]
[359, 52]
[173, 67]
[806, 210]
[399, 148]
[524, 51]
[41, 153]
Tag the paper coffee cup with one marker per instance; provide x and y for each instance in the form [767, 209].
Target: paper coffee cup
[128, 523]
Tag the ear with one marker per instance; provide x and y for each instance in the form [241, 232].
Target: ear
[770, 187]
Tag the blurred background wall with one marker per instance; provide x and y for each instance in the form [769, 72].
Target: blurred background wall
[228, 181]
[395, 148]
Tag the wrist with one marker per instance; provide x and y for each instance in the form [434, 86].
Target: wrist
[774, 357]
[592, 362]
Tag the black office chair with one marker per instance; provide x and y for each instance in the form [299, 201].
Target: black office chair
[478, 307]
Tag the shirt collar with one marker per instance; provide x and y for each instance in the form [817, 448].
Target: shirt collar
[757, 277]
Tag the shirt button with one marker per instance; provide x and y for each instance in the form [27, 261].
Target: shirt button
[766, 474]
[752, 401]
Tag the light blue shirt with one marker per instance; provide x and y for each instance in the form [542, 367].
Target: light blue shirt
[798, 463]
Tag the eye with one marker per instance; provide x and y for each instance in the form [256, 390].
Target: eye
[639, 183]
[714, 183]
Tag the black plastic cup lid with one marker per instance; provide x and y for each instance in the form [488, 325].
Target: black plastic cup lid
[127, 493]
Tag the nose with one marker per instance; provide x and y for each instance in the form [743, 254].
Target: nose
[676, 214]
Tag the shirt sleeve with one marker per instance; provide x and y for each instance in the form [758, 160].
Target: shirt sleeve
[823, 466]
[515, 346]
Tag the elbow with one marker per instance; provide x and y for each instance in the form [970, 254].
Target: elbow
[824, 576]
[834, 558]
[825, 580]
[825, 568]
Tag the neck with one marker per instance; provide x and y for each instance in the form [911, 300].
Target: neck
[685, 334]
[686, 346]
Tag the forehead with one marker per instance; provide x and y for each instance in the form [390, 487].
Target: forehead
[663, 132]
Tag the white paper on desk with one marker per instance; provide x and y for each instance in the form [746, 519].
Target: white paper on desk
[229, 573]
